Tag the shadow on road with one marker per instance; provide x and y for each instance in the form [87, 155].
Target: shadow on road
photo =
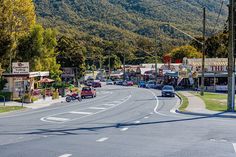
[73, 131]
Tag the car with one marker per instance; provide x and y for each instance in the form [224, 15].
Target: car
[96, 84]
[130, 83]
[142, 84]
[168, 90]
[119, 82]
[151, 84]
[109, 82]
[88, 92]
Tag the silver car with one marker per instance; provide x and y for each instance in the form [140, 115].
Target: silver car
[168, 91]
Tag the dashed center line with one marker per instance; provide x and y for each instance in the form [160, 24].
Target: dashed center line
[146, 117]
[124, 129]
[136, 122]
[75, 112]
[102, 139]
[65, 155]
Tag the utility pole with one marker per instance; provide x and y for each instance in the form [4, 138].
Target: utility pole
[203, 52]
[124, 72]
[231, 55]
[109, 64]
[156, 48]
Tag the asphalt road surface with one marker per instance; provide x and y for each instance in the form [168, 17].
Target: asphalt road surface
[119, 122]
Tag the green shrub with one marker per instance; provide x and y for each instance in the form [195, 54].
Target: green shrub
[55, 95]
[7, 95]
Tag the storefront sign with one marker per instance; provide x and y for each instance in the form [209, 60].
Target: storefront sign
[68, 72]
[20, 68]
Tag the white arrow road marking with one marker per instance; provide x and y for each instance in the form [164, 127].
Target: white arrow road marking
[124, 129]
[75, 112]
[102, 139]
[57, 119]
[65, 155]
[234, 145]
[97, 108]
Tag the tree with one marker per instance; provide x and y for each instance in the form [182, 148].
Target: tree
[39, 48]
[184, 51]
[16, 19]
[217, 45]
[71, 54]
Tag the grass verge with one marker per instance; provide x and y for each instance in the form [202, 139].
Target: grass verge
[10, 108]
[184, 102]
[214, 101]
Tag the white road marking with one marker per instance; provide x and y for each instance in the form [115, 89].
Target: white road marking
[109, 104]
[65, 155]
[234, 145]
[102, 139]
[116, 102]
[40, 110]
[75, 112]
[124, 129]
[57, 119]
[97, 108]
[45, 119]
[136, 122]
[146, 117]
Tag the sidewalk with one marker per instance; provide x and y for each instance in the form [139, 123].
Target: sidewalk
[37, 104]
[197, 107]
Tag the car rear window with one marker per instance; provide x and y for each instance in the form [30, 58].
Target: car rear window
[86, 89]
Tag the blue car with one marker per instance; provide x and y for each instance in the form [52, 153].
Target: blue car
[142, 84]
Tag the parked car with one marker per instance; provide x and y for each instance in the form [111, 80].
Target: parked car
[109, 82]
[142, 84]
[96, 84]
[168, 90]
[119, 82]
[88, 92]
[130, 83]
[151, 84]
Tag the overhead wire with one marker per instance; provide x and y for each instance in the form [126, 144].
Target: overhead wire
[218, 17]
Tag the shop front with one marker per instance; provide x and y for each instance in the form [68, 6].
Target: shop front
[215, 76]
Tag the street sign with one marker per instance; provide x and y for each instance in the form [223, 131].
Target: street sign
[20, 67]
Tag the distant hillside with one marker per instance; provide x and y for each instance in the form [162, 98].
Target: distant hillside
[113, 19]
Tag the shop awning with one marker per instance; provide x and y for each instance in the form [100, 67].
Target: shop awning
[46, 80]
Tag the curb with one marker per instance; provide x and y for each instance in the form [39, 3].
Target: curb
[176, 108]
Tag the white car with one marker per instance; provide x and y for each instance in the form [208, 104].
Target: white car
[109, 82]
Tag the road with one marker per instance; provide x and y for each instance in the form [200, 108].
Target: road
[119, 122]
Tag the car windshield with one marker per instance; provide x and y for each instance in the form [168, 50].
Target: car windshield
[168, 88]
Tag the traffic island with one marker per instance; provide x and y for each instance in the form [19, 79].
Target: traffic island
[184, 102]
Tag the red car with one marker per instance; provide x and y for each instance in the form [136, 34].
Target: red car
[88, 92]
[96, 84]
[130, 83]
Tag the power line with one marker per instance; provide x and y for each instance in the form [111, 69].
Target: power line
[218, 17]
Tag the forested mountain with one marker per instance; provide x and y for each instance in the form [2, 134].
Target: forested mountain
[130, 18]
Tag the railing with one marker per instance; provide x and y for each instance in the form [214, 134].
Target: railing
[4, 99]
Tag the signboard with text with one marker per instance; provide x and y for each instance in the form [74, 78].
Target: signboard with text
[20, 67]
